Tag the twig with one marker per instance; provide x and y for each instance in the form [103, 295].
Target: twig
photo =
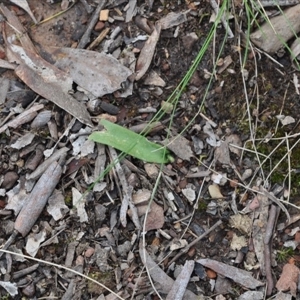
[267, 248]
[127, 191]
[186, 249]
[278, 202]
[86, 36]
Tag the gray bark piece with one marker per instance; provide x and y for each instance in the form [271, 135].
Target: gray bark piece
[272, 35]
[239, 276]
[160, 277]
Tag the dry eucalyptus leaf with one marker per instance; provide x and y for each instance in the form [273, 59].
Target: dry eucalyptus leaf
[180, 146]
[23, 4]
[48, 81]
[33, 242]
[173, 19]
[214, 191]
[234, 140]
[98, 73]
[56, 206]
[145, 58]
[23, 141]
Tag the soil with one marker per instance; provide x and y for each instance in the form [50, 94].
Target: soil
[101, 247]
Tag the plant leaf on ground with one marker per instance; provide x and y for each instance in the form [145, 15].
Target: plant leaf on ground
[131, 143]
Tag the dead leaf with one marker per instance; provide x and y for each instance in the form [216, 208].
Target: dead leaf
[23, 141]
[180, 146]
[23, 4]
[48, 81]
[56, 206]
[288, 279]
[98, 73]
[239, 276]
[155, 217]
[147, 53]
[214, 191]
[18, 27]
[173, 19]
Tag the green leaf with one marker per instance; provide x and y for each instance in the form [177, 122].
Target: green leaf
[131, 143]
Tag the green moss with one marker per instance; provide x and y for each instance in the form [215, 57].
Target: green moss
[202, 205]
[105, 278]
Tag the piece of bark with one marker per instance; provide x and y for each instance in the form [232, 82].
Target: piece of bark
[160, 277]
[38, 199]
[23, 118]
[239, 276]
[272, 35]
[46, 164]
[181, 282]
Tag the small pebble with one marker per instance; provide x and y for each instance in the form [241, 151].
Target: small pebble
[99, 26]
[89, 252]
[9, 180]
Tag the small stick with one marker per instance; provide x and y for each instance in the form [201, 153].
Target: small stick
[267, 248]
[86, 36]
[127, 191]
[99, 39]
[186, 249]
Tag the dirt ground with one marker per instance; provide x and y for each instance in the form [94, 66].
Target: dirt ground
[83, 224]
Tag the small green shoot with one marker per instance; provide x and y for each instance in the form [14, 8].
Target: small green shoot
[131, 143]
[284, 254]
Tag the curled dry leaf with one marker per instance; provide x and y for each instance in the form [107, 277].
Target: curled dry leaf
[147, 53]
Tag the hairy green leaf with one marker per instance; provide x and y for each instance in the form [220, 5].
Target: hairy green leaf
[130, 143]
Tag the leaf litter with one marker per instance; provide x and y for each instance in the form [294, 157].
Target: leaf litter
[107, 221]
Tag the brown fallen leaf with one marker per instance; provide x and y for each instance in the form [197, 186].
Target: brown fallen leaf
[239, 276]
[23, 4]
[147, 53]
[48, 81]
[155, 218]
[14, 22]
[288, 279]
